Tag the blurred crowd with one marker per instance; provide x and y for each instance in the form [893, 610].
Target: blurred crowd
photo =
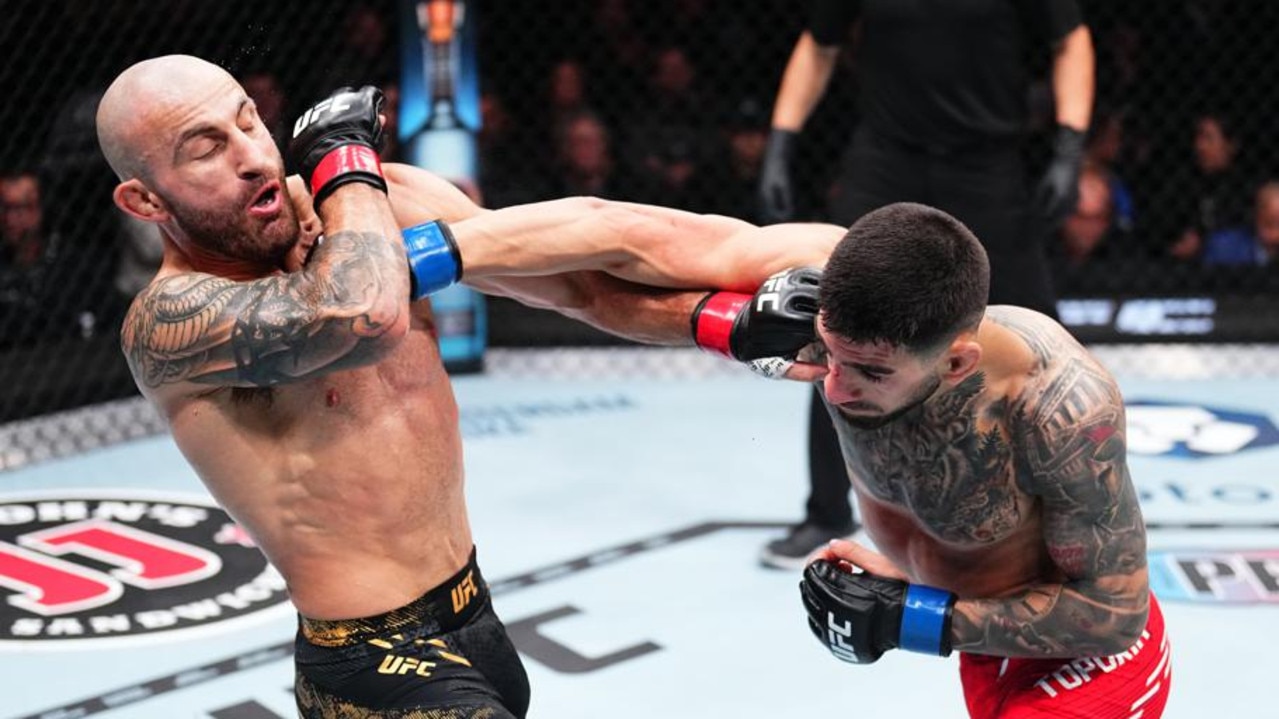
[667, 102]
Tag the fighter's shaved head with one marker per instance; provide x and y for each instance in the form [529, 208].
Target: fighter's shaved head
[147, 89]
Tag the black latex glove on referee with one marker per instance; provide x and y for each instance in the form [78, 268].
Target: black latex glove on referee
[1058, 190]
[776, 191]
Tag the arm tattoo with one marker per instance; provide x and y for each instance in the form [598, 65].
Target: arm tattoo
[210, 330]
[1072, 434]
[1036, 335]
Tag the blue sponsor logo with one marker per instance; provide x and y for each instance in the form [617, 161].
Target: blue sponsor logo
[1192, 431]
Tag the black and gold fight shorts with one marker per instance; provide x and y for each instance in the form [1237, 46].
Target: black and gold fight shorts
[445, 655]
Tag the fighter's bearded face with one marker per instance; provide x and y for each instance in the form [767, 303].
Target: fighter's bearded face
[225, 184]
[873, 383]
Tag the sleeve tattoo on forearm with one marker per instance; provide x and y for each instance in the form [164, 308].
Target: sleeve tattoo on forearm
[1073, 436]
[211, 330]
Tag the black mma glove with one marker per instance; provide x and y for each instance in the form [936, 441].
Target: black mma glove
[1058, 191]
[776, 322]
[776, 192]
[858, 617]
[336, 141]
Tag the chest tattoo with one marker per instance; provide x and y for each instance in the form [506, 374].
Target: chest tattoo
[958, 479]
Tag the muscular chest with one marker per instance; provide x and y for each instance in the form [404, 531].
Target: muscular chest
[957, 479]
[412, 377]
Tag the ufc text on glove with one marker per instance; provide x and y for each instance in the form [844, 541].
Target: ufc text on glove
[859, 616]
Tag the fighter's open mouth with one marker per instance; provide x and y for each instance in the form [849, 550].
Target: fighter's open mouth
[266, 197]
[268, 202]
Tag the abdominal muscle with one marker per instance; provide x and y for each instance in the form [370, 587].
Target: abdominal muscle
[999, 568]
[350, 483]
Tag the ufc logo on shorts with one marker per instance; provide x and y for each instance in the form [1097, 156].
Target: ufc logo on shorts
[836, 633]
[464, 592]
[313, 114]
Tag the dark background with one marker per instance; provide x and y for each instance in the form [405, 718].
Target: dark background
[672, 83]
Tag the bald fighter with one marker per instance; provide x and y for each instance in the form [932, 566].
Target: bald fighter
[302, 381]
[986, 448]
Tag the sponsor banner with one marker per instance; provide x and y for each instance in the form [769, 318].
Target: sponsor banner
[523, 417]
[1216, 576]
[1196, 318]
[1193, 431]
[102, 566]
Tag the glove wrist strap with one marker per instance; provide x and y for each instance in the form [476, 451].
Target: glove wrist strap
[345, 159]
[434, 260]
[926, 620]
[713, 321]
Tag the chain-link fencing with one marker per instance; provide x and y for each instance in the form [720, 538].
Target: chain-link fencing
[661, 101]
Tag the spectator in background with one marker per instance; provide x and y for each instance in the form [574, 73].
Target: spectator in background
[1216, 193]
[1255, 245]
[585, 164]
[564, 97]
[28, 256]
[265, 90]
[73, 170]
[672, 86]
[733, 175]
[141, 250]
[614, 51]
[674, 166]
[24, 243]
[1104, 154]
[565, 90]
[665, 139]
[1089, 231]
[361, 55]
[508, 175]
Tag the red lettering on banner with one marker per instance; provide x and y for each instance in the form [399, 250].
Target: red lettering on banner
[146, 560]
[51, 586]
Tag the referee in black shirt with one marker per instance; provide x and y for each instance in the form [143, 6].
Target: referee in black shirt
[944, 105]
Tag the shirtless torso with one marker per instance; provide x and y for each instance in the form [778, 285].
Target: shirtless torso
[954, 491]
[351, 482]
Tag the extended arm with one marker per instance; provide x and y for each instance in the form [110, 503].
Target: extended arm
[1073, 79]
[636, 312]
[1058, 191]
[419, 196]
[617, 266]
[1092, 527]
[644, 244]
[804, 82]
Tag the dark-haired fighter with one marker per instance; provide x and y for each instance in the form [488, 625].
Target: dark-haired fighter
[987, 452]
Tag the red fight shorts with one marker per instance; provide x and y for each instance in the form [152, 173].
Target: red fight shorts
[1130, 685]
